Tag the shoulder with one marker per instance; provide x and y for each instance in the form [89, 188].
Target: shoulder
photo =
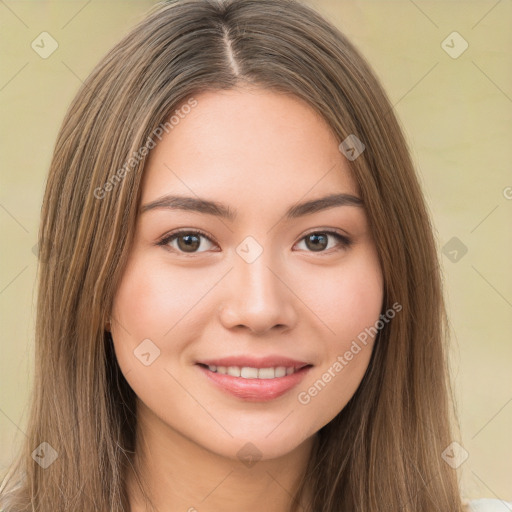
[488, 505]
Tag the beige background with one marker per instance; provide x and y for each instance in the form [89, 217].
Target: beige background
[456, 114]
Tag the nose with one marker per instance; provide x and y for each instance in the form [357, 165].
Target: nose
[258, 297]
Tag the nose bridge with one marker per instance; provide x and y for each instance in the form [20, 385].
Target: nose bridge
[256, 278]
[260, 299]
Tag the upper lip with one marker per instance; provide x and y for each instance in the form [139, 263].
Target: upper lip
[255, 362]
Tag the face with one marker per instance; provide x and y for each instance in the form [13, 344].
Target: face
[240, 328]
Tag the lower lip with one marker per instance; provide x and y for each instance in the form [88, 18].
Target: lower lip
[255, 390]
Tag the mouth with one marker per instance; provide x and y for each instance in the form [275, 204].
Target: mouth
[258, 383]
[248, 372]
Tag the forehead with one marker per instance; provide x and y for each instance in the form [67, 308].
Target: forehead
[247, 144]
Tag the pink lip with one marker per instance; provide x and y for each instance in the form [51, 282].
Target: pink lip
[255, 390]
[254, 362]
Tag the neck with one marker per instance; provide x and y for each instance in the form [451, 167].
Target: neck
[179, 475]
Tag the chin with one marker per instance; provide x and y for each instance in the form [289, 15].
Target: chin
[255, 444]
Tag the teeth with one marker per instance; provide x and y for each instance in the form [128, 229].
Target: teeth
[280, 371]
[234, 371]
[266, 373]
[247, 372]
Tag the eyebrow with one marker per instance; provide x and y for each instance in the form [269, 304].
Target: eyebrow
[195, 204]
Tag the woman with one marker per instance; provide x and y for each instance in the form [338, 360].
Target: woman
[239, 300]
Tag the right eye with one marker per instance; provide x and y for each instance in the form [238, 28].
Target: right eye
[188, 241]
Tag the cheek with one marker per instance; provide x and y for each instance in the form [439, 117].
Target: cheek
[357, 293]
[349, 298]
[150, 304]
[359, 312]
[142, 311]
[157, 302]
[151, 300]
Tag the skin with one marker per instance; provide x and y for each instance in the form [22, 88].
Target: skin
[259, 152]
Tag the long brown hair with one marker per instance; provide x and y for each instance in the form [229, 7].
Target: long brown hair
[383, 450]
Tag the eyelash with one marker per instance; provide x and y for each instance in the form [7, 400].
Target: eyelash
[343, 240]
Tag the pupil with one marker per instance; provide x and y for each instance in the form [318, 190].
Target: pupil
[315, 245]
[194, 245]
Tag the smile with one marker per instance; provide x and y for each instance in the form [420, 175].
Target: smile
[246, 372]
[254, 384]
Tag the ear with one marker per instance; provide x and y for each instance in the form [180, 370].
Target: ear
[107, 325]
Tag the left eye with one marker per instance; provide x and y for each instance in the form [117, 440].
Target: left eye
[190, 241]
[319, 240]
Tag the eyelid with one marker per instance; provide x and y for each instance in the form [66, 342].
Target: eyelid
[188, 231]
[337, 231]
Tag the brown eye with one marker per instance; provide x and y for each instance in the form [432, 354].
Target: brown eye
[318, 241]
[186, 241]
